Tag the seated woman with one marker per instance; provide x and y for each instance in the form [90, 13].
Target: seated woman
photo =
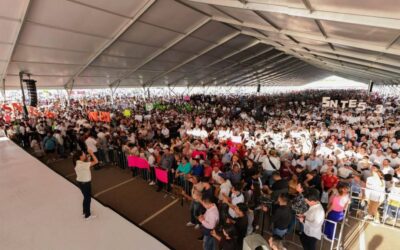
[336, 208]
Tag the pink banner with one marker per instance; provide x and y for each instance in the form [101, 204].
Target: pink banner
[137, 162]
[233, 150]
[161, 175]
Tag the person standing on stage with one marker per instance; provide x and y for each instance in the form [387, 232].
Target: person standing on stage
[83, 163]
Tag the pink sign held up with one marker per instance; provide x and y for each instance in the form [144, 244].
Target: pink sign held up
[137, 162]
[162, 175]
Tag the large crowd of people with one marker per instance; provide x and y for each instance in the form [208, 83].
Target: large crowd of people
[240, 158]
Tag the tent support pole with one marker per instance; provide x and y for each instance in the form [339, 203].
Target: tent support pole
[3, 89]
[113, 89]
[68, 89]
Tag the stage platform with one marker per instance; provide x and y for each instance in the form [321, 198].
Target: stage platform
[42, 210]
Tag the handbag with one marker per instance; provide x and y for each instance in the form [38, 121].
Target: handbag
[324, 197]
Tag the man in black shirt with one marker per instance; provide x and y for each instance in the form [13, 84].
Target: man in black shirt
[280, 186]
[279, 183]
[281, 216]
[241, 221]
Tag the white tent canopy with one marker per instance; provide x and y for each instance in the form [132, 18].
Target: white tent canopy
[142, 43]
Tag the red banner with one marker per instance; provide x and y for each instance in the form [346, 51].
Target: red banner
[101, 116]
[93, 116]
[5, 107]
[105, 117]
[33, 111]
[17, 106]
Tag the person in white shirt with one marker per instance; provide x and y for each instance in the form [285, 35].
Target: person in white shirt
[378, 158]
[165, 133]
[327, 166]
[91, 144]
[375, 193]
[225, 186]
[270, 164]
[313, 163]
[235, 198]
[312, 220]
[84, 178]
[394, 160]
[386, 168]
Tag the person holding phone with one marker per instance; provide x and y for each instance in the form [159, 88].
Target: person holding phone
[312, 220]
[83, 162]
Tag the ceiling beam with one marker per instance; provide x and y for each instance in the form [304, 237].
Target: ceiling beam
[256, 74]
[247, 69]
[286, 74]
[159, 52]
[218, 60]
[21, 20]
[352, 77]
[100, 51]
[264, 51]
[356, 67]
[344, 69]
[301, 47]
[353, 54]
[202, 52]
[334, 55]
[269, 71]
[274, 79]
[371, 20]
[340, 58]
[316, 37]
[302, 57]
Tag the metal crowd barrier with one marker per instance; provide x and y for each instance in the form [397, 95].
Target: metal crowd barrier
[389, 203]
[335, 225]
[118, 158]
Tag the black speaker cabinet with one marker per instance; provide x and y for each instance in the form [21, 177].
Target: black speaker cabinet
[31, 87]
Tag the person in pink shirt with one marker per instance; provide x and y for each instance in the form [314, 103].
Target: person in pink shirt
[336, 208]
[209, 221]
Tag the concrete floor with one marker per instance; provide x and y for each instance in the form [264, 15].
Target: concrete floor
[40, 210]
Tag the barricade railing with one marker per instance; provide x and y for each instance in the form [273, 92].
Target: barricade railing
[387, 203]
[140, 167]
[117, 157]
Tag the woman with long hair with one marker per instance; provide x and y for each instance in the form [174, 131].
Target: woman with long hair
[83, 163]
[375, 193]
[336, 209]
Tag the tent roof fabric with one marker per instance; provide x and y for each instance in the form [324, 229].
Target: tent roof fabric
[137, 43]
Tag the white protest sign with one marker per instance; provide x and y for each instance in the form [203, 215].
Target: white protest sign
[236, 139]
[139, 118]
